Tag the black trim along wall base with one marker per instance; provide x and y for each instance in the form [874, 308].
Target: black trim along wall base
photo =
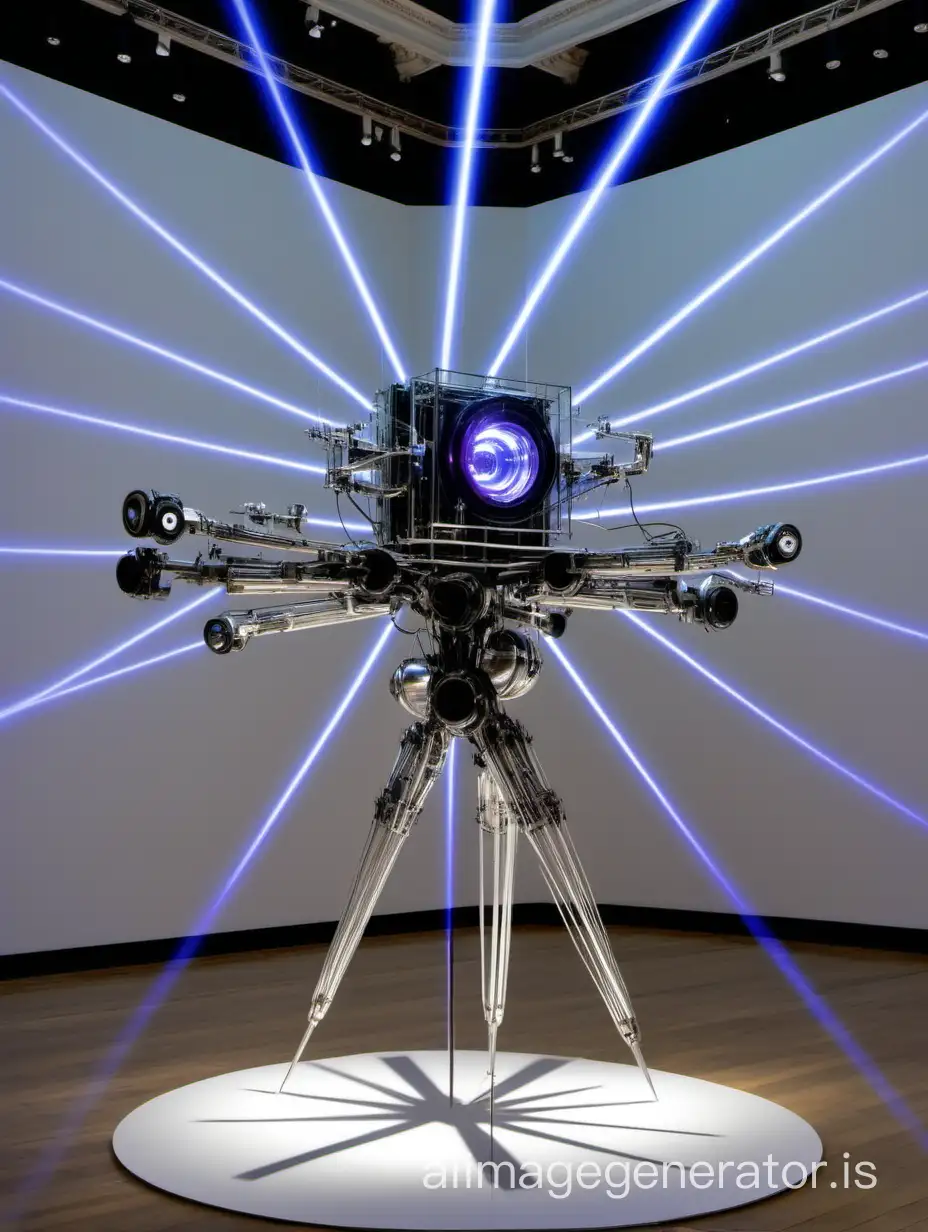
[134, 953]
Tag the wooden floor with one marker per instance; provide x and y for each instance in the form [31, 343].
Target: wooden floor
[709, 1006]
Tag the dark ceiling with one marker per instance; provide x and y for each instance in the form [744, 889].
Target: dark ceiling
[226, 102]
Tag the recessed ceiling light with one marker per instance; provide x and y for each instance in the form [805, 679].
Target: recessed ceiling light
[53, 41]
[881, 53]
[124, 58]
[922, 27]
[832, 64]
[179, 98]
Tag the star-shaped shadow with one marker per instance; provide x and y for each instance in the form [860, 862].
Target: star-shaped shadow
[417, 1101]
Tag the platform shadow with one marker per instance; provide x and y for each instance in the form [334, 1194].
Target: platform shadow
[417, 1101]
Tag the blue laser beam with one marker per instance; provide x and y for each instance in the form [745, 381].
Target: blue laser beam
[466, 156]
[169, 438]
[722, 382]
[620, 153]
[812, 749]
[55, 1151]
[819, 1008]
[880, 622]
[450, 791]
[162, 352]
[801, 404]
[792, 485]
[33, 699]
[749, 258]
[106, 553]
[115, 674]
[249, 24]
[181, 248]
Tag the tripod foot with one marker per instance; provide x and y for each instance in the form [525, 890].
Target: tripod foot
[639, 1057]
[296, 1058]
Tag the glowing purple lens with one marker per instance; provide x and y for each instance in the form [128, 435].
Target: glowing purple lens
[500, 458]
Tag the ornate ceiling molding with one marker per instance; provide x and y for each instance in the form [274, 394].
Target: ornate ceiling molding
[547, 39]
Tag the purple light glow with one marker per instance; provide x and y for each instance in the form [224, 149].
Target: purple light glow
[499, 458]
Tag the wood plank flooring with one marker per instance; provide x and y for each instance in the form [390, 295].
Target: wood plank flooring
[713, 1007]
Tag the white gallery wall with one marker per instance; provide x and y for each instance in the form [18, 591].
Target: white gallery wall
[124, 807]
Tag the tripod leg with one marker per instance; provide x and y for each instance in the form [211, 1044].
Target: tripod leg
[499, 832]
[417, 766]
[505, 748]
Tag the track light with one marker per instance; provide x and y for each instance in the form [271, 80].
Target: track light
[313, 23]
[367, 130]
[396, 151]
[775, 70]
[536, 160]
[559, 149]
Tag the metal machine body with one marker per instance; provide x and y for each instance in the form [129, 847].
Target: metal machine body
[469, 484]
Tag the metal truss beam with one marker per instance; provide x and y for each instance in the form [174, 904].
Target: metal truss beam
[192, 34]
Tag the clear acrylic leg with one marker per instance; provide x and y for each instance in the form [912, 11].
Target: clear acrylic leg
[418, 764]
[499, 834]
[504, 747]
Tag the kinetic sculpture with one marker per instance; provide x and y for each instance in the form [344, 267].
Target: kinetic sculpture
[471, 481]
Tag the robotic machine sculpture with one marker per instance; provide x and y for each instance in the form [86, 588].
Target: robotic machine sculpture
[471, 482]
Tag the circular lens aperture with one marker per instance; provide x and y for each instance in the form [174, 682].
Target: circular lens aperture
[499, 458]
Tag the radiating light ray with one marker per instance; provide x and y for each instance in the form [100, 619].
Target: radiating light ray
[711, 387]
[801, 404]
[466, 156]
[827, 1019]
[620, 153]
[450, 802]
[162, 352]
[27, 702]
[169, 438]
[749, 259]
[169, 238]
[792, 485]
[880, 622]
[59, 552]
[298, 145]
[115, 674]
[55, 1150]
[819, 754]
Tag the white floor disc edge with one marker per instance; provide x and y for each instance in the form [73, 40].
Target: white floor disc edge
[371, 1141]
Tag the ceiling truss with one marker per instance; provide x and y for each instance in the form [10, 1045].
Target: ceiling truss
[155, 17]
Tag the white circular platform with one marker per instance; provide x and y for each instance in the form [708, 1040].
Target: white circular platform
[371, 1141]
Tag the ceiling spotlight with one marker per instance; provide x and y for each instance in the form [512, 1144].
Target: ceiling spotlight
[396, 152]
[880, 53]
[558, 145]
[124, 57]
[313, 22]
[832, 64]
[775, 70]
[53, 41]
[536, 159]
[367, 130]
[163, 45]
[921, 27]
[568, 158]
[179, 98]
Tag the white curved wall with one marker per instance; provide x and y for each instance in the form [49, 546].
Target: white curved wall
[123, 808]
